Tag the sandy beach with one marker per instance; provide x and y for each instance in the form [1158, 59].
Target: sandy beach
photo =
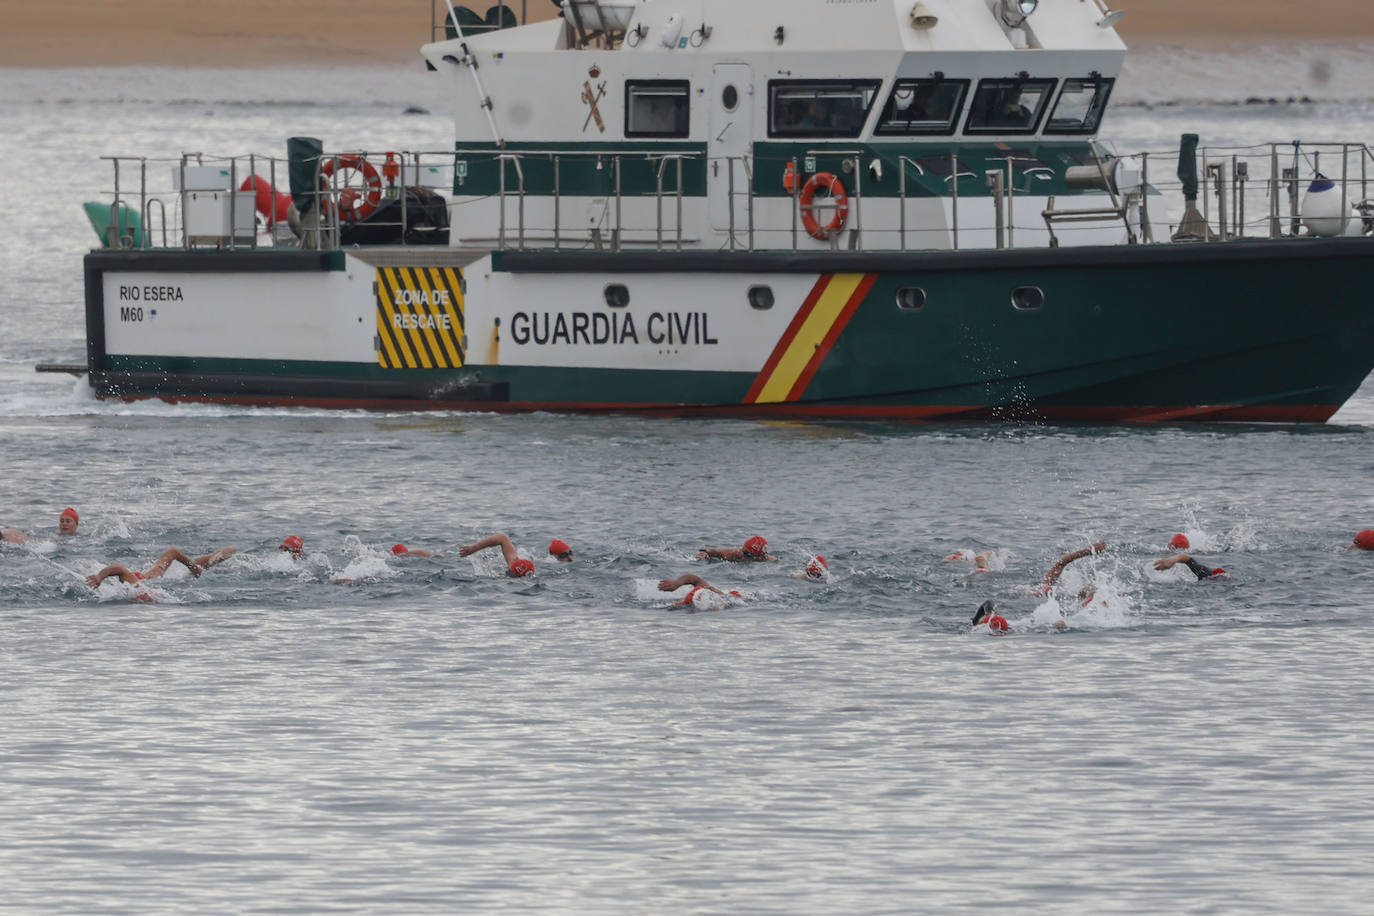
[251, 33]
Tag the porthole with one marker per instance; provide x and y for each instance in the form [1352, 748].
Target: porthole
[617, 296]
[729, 98]
[911, 298]
[1027, 298]
[761, 297]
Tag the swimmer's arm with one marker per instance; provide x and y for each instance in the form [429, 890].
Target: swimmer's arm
[980, 560]
[170, 555]
[672, 585]
[720, 553]
[499, 539]
[1169, 562]
[1057, 569]
[1202, 572]
[114, 569]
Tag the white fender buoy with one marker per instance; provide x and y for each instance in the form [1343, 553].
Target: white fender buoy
[672, 28]
[1322, 213]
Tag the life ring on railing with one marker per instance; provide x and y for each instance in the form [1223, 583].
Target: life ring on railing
[839, 200]
[355, 203]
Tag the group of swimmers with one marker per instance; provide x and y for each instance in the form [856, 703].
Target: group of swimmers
[753, 550]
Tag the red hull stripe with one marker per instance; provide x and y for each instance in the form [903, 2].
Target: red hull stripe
[788, 336]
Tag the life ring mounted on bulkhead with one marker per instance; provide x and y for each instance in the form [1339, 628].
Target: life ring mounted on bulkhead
[839, 201]
[359, 184]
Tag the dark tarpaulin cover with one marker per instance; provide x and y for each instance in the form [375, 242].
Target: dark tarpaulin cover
[303, 155]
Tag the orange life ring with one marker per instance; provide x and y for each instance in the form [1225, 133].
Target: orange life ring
[354, 204]
[839, 200]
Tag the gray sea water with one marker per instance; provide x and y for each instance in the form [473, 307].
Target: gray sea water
[359, 732]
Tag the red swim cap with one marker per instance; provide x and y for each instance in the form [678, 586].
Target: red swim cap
[997, 623]
[736, 593]
[557, 546]
[687, 598]
[399, 549]
[756, 546]
[1179, 542]
[817, 568]
[1218, 571]
[520, 567]
[1365, 539]
[293, 543]
[70, 512]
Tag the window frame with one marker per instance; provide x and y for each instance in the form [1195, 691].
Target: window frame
[1104, 86]
[1003, 83]
[873, 86]
[913, 83]
[686, 95]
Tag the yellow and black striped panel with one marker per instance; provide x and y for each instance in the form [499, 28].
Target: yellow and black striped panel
[419, 317]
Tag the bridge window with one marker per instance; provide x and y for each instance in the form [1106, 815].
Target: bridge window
[657, 108]
[819, 108]
[1008, 106]
[1080, 106]
[922, 107]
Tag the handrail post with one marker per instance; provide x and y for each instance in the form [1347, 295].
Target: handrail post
[954, 184]
[557, 200]
[679, 202]
[858, 203]
[796, 184]
[143, 202]
[520, 174]
[1011, 203]
[901, 203]
[1345, 198]
[1146, 233]
[619, 224]
[658, 203]
[1273, 190]
[730, 199]
[749, 197]
[994, 177]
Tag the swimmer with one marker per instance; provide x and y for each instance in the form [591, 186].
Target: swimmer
[293, 545]
[755, 550]
[982, 561]
[1202, 572]
[817, 570]
[698, 585]
[402, 550]
[987, 614]
[169, 556]
[560, 550]
[66, 525]
[1364, 540]
[516, 565]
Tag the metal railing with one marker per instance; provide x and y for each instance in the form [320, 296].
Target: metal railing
[578, 198]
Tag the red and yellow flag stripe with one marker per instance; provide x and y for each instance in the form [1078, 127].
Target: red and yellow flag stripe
[809, 337]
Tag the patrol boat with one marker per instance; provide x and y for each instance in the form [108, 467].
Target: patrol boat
[820, 209]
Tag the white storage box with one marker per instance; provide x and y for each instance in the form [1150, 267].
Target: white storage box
[207, 217]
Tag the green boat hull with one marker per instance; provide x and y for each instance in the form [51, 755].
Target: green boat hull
[1255, 331]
